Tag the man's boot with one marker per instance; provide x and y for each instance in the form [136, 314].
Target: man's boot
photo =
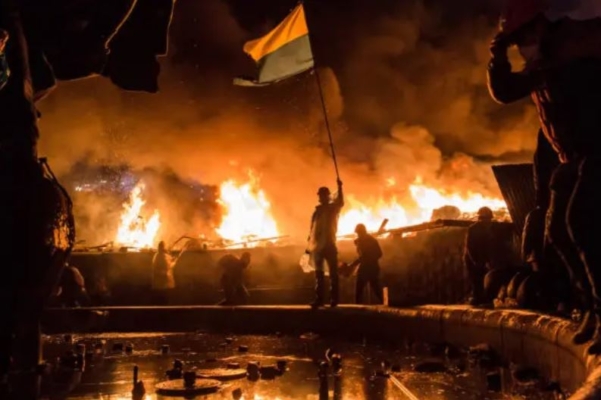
[319, 289]
[595, 346]
[334, 290]
[586, 329]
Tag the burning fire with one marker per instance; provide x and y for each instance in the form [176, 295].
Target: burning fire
[430, 199]
[247, 218]
[356, 212]
[135, 231]
[425, 199]
[246, 212]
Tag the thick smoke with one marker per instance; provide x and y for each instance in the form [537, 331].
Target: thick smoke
[404, 84]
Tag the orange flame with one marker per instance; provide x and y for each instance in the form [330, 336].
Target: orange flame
[246, 212]
[356, 212]
[134, 231]
[425, 199]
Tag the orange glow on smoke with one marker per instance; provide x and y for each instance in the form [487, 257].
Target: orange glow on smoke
[134, 230]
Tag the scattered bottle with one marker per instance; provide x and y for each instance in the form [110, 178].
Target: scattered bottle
[139, 391]
[189, 379]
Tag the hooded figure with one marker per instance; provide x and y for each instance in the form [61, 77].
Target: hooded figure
[561, 43]
[163, 281]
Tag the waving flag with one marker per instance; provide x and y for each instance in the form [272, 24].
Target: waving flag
[282, 53]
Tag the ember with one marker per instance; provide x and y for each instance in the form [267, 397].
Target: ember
[134, 230]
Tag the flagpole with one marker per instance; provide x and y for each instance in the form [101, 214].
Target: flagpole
[327, 121]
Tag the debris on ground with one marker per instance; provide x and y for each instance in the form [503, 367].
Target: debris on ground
[484, 356]
[309, 336]
[430, 366]
[494, 381]
[524, 375]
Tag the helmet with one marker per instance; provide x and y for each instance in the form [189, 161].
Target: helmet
[518, 13]
[360, 228]
[323, 190]
[485, 213]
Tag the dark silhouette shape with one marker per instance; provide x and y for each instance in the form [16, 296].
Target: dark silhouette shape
[322, 243]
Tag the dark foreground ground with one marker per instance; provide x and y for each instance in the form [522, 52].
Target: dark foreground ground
[451, 374]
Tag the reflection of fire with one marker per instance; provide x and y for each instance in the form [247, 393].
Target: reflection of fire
[246, 212]
[135, 231]
[426, 200]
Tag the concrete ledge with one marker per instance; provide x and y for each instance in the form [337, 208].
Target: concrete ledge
[520, 336]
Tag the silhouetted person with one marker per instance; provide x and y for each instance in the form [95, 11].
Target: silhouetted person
[545, 161]
[370, 252]
[322, 243]
[163, 281]
[72, 290]
[100, 293]
[546, 245]
[563, 77]
[232, 278]
[479, 253]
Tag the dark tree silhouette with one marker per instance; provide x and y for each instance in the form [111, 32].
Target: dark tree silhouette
[49, 41]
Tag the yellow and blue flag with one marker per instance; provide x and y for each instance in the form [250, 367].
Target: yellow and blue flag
[282, 53]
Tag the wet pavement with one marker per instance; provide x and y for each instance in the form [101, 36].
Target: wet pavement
[369, 370]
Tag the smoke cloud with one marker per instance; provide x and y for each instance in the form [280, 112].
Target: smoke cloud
[405, 91]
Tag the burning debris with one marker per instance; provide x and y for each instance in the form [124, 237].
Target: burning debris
[246, 213]
[423, 206]
[135, 231]
[244, 217]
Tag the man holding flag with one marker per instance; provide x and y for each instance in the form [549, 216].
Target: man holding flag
[322, 243]
[282, 53]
